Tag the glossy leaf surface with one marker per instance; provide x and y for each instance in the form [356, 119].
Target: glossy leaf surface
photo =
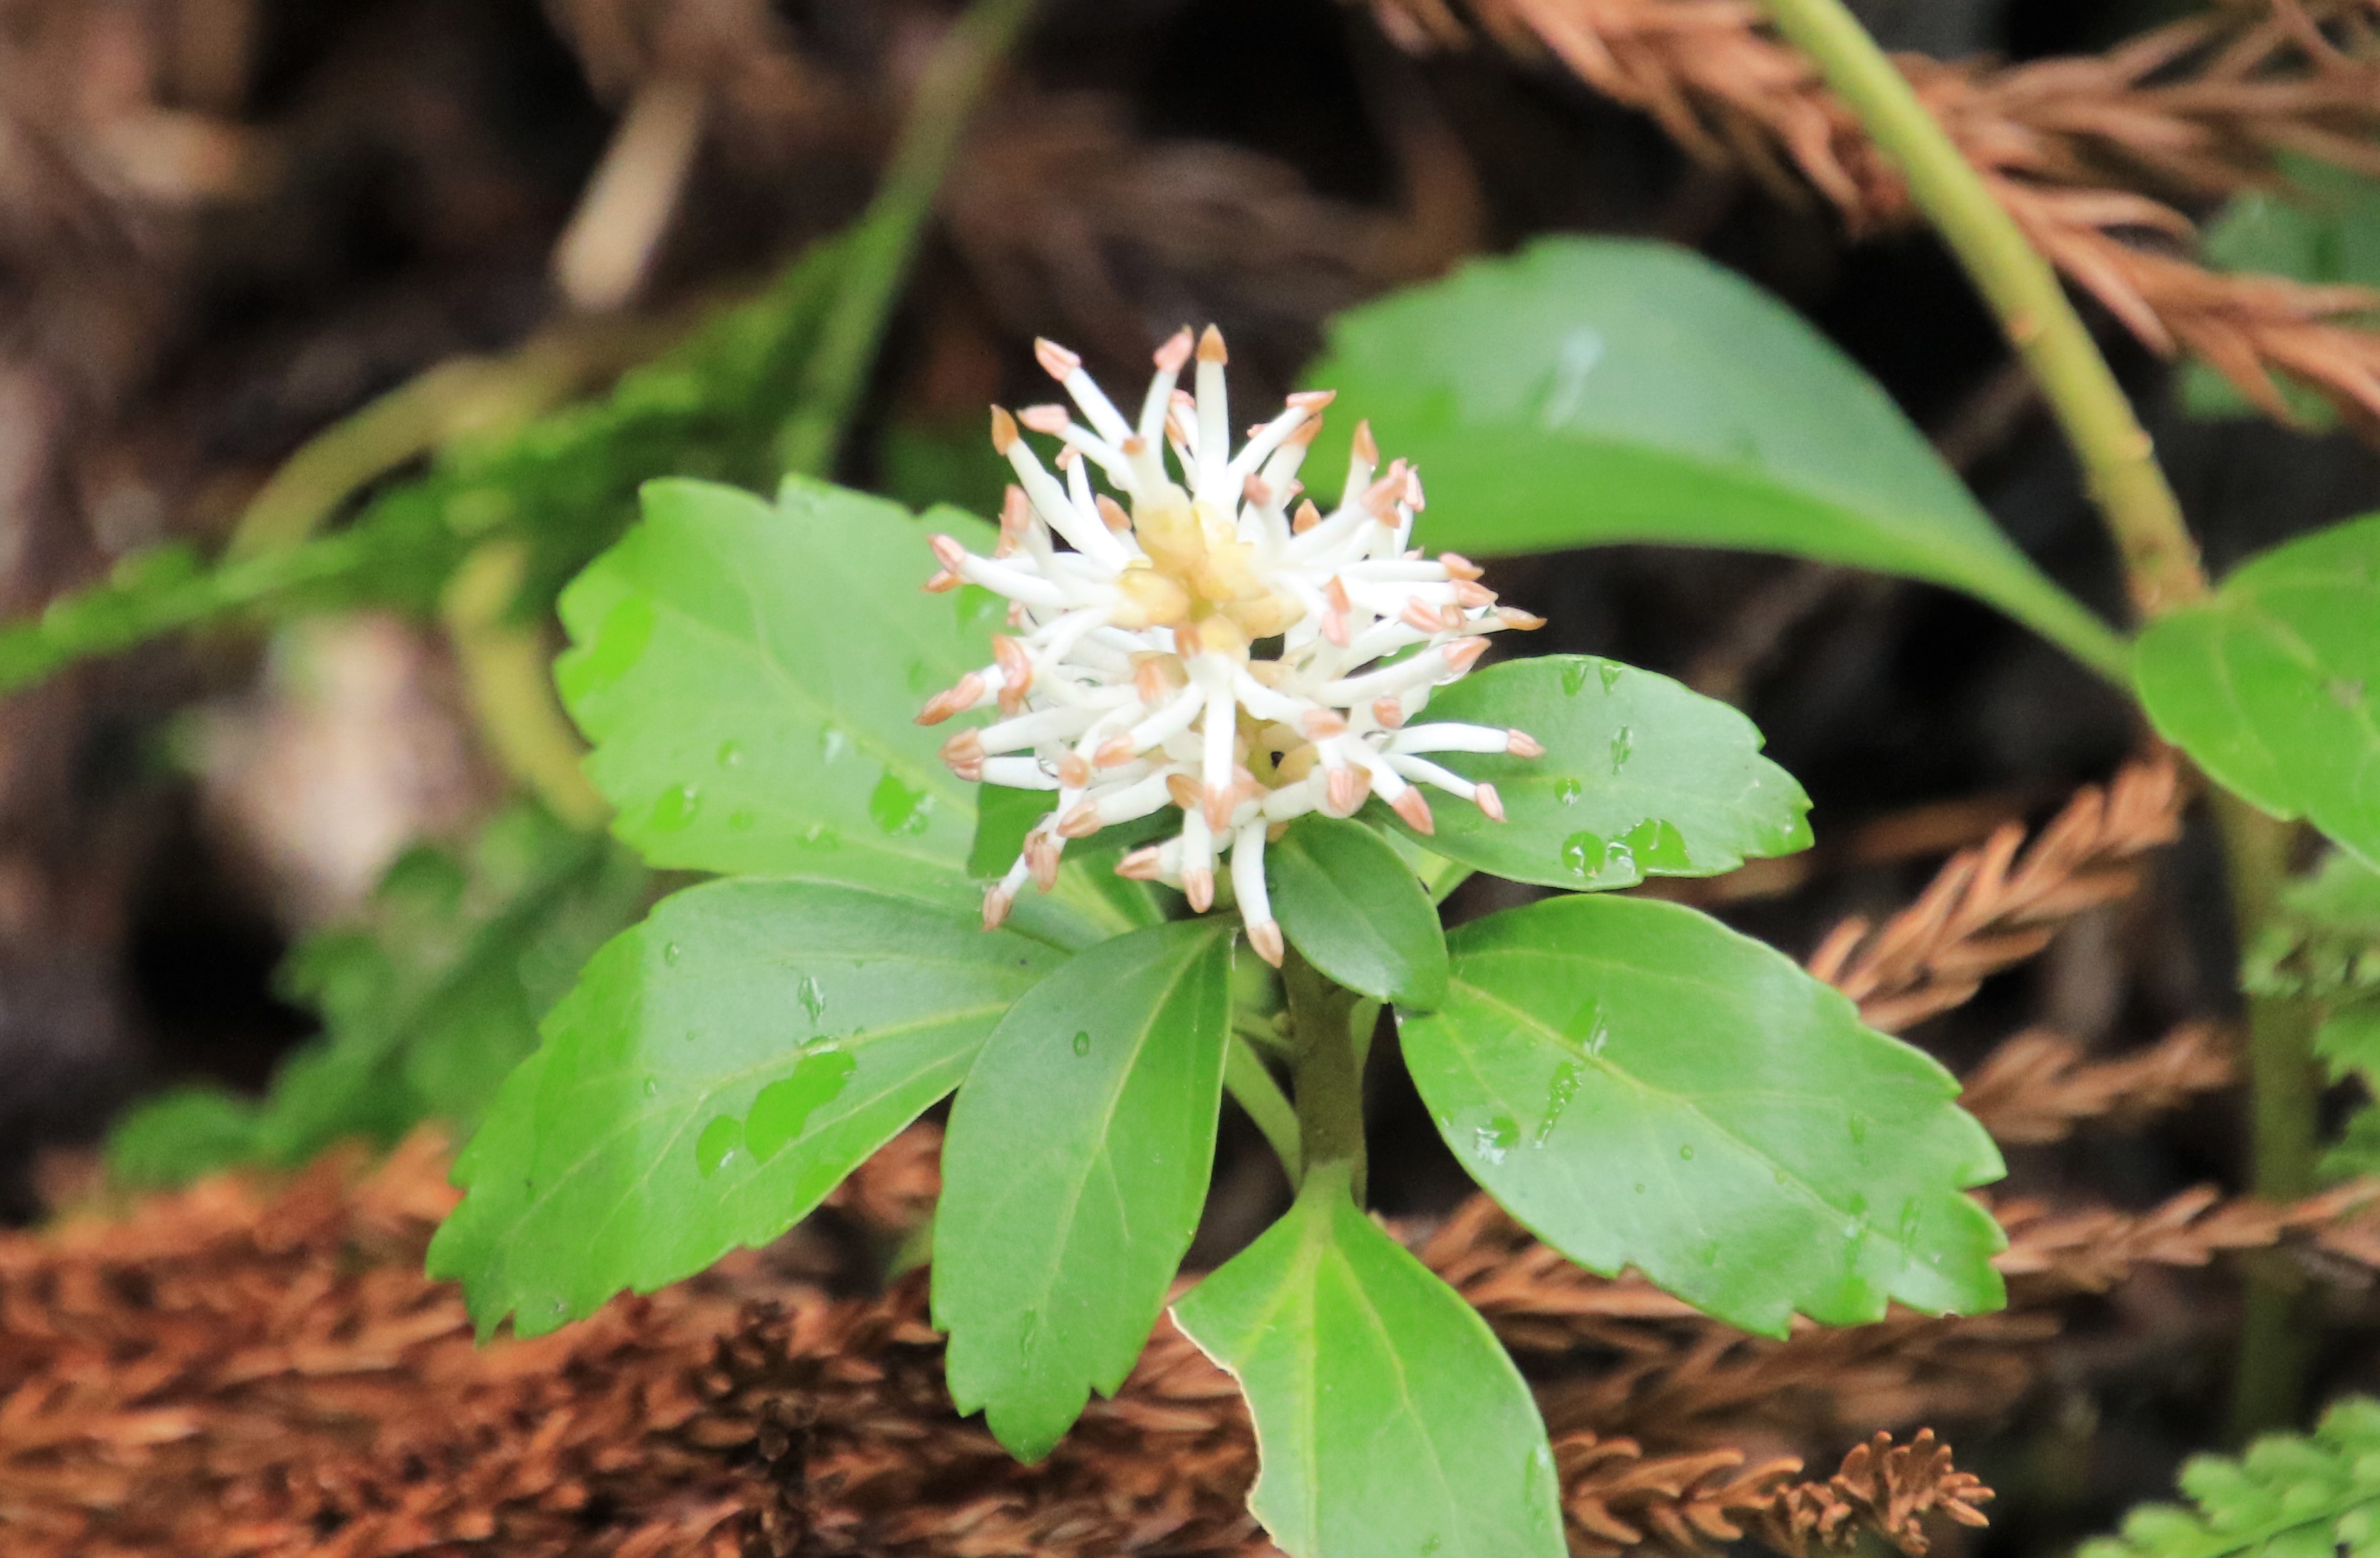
[1389, 1420]
[1587, 391]
[1643, 1086]
[717, 1070]
[1355, 908]
[739, 725]
[2270, 683]
[1076, 1163]
[1640, 777]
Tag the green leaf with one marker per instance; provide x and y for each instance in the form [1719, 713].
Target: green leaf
[178, 1136]
[1587, 391]
[1389, 1419]
[717, 1071]
[1642, 1086]
[2268, 683]
[1075, 1167]
[1355, 908]
[1640, 777]
[2322, 226]
[427, 999]
[2291, 1496]
[751, 676]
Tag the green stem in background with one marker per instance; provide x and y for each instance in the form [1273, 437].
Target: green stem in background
[2162, 568]
[504, 664]
[2119, 460]
[1325, 1073]
[877, 254]
[2285, 1097]
[1251, 1084]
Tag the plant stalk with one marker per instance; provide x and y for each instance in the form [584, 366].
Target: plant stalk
[2162, 570]
[1250, 1083]
[2118, 457]
[1325, 1073]
[877, 254]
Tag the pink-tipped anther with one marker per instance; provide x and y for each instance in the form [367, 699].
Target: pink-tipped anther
[1341, 792]
[1041, 859]
[1459, 567]
[1311, 401]
[1521, 744]
[1003, 431]
[995, 905]
[1463, 653]
[1390, 710]
[1217, 803]
[1052, 420]
[1114, 753]
[1467, 593]
[1306, 518]
[1416, 811]
[1256, 490]
[1367, 448]
[963, 754]
[1485, 798]
[1055, 359]
[1419, 616]
[942, 583]
[1074, 771]
[956, 701]
[1210, 347]
[1141, 865]
[1111, 514]
[1082, 821]
[1321, 724]
[1265, 936]
[1199, 886]
[948, 551]
[1169, 357]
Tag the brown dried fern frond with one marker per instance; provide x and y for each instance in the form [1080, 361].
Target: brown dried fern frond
[2001, 902]
[2085, 152]
[2036, 1087]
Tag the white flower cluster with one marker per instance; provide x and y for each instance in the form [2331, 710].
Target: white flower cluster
[1213, 648]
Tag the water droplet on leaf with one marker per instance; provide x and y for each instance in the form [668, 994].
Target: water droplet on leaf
[1567, 791]
[833, 743]
[784, 1107]
[1558, 1093]
[1686, 1150]
[730, 755]
[1574, 677]
[717, 1144]
[812, 998]
[1658, 845]
[1495, 1138]
[671, 953]
[652, 1086]
[1609, 671]
[1083, 1042]
[896, 809]
[1581, 855]
[675, 808]
[1623, 742]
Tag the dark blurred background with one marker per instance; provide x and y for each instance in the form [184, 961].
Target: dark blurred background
[227, 224]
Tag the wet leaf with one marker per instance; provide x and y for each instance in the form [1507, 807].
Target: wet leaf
[1640, 777]
[1642, 1086]
[717, 1070]
[1073, 1175]
[1390, 1419]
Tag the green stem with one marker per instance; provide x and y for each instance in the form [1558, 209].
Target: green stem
[1251, 1084]
[2119, 460]
[876, 256]
[2162, 571]
[1327, 1074]
[2284, 1101]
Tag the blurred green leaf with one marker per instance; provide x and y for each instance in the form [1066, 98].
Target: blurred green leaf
[1587, 391]
[1640, 777]
[716, 1071]
[2291, 1496]
[1355, 910]
[426, 1001]
[2268, 683]
[1075, 1167]
[1388, 1417]
[1644, 1087]
[2322, 225]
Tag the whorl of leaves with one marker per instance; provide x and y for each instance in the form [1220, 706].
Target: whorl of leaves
[2289, 1495]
